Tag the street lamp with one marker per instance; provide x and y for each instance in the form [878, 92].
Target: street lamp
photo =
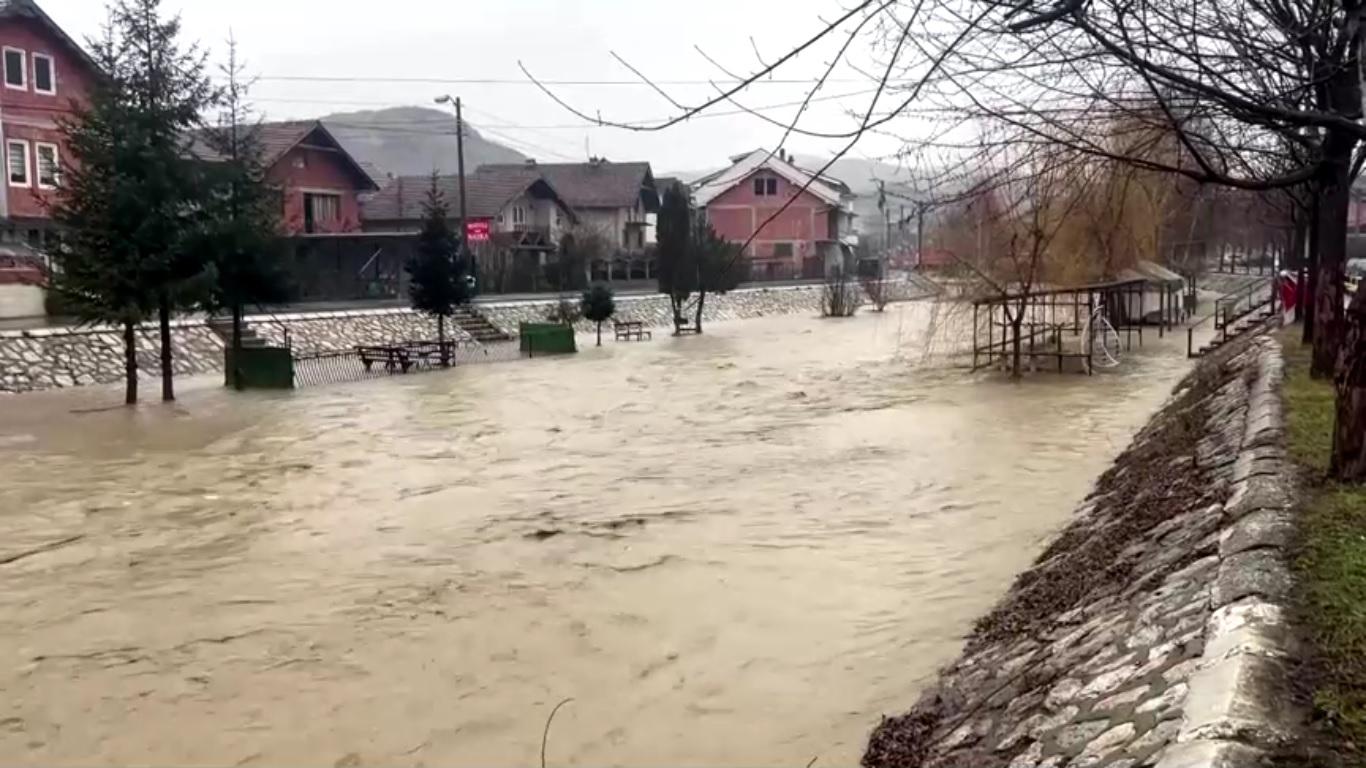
[460, 163]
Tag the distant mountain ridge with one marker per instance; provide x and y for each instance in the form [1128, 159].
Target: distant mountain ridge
[413, 141]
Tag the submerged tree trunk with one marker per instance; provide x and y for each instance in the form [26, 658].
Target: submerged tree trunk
[599, 333]
[167, 374]
[234, 372]
[441, 341]
[130, 363]
[701, 302]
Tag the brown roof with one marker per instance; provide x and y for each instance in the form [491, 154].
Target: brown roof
[29, 9]
[595, 184]
[401, 198]
[277, 139]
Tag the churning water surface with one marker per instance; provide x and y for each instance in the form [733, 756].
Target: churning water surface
[735, 549]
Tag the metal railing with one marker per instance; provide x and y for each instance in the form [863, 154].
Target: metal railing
[1231, 309]
[340, 366]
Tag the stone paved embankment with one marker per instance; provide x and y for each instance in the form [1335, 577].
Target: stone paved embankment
[1152, 632]
[50, 358]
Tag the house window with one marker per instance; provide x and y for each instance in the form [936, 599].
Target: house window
[49, 168]
[18, 163]
[758, 187]
[782, 250]
[320, 210]
[44, 75]
[765, 186]
[16, 71]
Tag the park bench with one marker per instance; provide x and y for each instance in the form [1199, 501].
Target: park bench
[631, 330]
[393, 357]
[429, 352]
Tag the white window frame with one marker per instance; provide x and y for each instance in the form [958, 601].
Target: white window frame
[51, 73]
[38, 166]
[28, 163]
[23, 70]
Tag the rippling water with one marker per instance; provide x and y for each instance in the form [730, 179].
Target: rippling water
[735, 549]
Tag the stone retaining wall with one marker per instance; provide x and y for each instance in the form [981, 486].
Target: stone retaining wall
[63, 357]
[1152, 632]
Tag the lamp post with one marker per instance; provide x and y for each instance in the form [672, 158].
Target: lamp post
[460, 162]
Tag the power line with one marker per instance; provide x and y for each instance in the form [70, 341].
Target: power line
[580, 126]
[524, 81]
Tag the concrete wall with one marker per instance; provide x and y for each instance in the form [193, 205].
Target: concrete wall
[21, 301]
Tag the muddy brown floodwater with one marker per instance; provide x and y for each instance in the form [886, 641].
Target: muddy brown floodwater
[738, 549]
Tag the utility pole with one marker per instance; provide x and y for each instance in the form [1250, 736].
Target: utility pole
[460, 161]
[460, 165]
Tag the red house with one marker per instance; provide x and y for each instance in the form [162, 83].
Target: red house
[45, 72]
[811, 235]
[320, 182]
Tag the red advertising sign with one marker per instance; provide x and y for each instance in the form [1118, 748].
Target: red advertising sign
[477, 230]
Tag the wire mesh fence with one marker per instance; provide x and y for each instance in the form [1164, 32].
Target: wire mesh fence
[338, 366]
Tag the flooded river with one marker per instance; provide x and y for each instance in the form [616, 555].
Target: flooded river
[736, 549]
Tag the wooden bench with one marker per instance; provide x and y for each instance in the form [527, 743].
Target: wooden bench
[393, 357]
[430, 352]
[631, 330]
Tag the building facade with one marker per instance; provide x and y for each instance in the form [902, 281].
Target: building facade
[46, 76]
[616, 201]
[798, 224]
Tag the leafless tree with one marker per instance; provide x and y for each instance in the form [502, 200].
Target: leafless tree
[1259, 95]
[840, 295]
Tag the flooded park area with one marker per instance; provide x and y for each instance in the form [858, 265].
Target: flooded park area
[739, 548]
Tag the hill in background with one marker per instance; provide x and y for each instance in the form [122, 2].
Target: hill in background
[413, 141]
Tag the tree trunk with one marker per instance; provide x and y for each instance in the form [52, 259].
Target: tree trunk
[235, 370]
[1017, 363]
[130, 363]
[441, 341]
[1296, 253]
[1311, 268]
[678, 313]
[1333, 208]
[1348, 462]
[701, 302]
[599, 333]
[167, 374]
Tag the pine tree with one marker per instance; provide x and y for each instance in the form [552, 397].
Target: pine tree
[719, 264]
[598, 305]
[673, 257]
[103, 276]
[133, 193]
[437, 272]
[238, 234]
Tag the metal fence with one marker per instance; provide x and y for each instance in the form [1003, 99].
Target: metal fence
[338, 366]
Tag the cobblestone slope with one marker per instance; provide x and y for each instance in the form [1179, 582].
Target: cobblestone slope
[1152, 632]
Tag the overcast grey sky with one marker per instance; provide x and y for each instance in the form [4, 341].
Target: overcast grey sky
[557, 39]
